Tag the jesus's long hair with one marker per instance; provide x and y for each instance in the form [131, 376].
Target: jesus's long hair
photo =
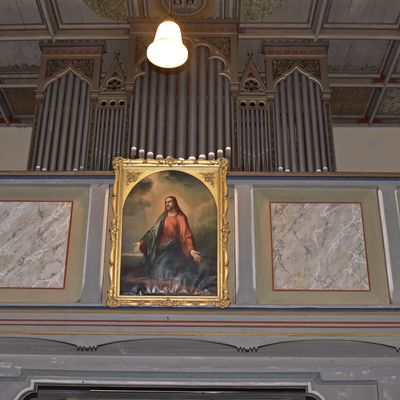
[178, 209]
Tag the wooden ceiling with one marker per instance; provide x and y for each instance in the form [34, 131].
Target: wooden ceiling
[363, 39]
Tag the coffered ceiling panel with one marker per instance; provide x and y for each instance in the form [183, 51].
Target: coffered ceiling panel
[363, 12]
[356, 56]
[276, 11]
[19, 56]
[22, 101]
[349, 101]
[90, 11]
[391, 102]
[19, 12]
[397, 68]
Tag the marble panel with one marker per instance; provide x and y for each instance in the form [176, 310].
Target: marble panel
[34, 238]
[318, 246]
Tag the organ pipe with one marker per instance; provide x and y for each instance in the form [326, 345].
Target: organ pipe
[314, 125]
[151, 131]
[171, 114]
[57, 126]
[307, 125]
[161, 114]
[211, 107]
[202, 121]
[193, 93]
[299, 123]
[292, 133]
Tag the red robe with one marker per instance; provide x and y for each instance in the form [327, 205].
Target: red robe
[175, 226]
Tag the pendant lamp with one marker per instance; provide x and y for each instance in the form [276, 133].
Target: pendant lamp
[167, 50]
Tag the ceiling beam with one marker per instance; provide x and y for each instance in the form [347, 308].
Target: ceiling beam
[260, 31]
[5, 109]
[321, 7]
[49, 17]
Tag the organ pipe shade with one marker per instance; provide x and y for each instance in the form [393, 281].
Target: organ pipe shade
[302, 138]
[61, 134]
[167, 49]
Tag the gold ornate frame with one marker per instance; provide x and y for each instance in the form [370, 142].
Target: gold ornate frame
[128, 173]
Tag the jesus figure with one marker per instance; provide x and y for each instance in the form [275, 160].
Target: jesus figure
[171, 262]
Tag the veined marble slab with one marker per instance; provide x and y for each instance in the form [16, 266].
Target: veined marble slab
[318, 246]
[33, 243]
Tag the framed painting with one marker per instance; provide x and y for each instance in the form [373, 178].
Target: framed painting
[169, 233]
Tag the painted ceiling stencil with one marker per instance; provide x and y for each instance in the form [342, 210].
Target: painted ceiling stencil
[258, 9]
[353, 68]
[391, 102]
[114, 10]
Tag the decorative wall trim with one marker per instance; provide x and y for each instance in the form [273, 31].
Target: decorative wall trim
[280, 67]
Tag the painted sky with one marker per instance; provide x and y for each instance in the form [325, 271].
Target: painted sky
[146, 202]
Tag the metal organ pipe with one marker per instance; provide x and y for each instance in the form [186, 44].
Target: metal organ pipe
[104, 139]
[292, 133]
[253, 158]
[193, 92]
[99, 138]
[220, 106]
[136, 116]
[299, 123]
[171, 123]
[227, 112]
[80, 130]
[144, 100]
[59, 151]
[83, 150]
[181, 141]
[327, 117]
[241, 129]
[151, 130]
[70, 137]
[202, 121]
[58, 124]
[268, 118]
[316, 146]
[43, 128]
[307, 125]
[50, 129]
[211, 106]
[321, 128]
[161, 114]
[283, 132]
[115, 134]
[278, 135]
[248, 141]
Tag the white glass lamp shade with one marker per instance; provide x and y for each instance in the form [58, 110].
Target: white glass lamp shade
[167, 49]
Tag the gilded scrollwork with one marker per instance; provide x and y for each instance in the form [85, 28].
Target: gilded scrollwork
[132, 177]
[209, 177]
